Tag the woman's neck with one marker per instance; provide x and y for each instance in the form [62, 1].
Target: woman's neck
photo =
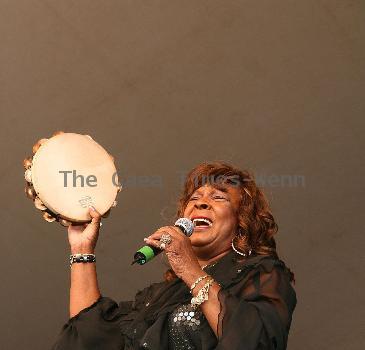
[203, 261]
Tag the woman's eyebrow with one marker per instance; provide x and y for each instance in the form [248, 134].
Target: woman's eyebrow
[216, 189]
[221, 189]
[195, 192]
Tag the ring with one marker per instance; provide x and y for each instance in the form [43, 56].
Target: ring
[166, 238]
[162, 245]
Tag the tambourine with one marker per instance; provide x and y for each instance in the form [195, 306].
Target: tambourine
[66, 174]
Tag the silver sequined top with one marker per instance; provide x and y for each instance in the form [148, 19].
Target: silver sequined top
[182, 323]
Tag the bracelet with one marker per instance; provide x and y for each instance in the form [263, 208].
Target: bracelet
[202, 294]
[84, 258]
[196, 282]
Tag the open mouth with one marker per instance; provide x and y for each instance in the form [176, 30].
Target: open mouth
[202, 223]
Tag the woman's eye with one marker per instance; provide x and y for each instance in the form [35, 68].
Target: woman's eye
[193, 198]
[219, 197]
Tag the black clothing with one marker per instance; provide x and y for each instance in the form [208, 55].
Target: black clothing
[257, 301]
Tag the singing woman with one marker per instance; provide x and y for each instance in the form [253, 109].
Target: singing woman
[226, 287]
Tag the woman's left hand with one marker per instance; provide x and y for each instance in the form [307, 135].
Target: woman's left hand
[179, 253]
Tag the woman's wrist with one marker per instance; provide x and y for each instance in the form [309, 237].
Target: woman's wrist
[82, 250]
[192, 275]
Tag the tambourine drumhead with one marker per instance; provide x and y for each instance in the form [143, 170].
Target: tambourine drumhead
[69, 172]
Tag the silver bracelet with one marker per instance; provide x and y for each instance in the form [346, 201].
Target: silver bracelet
[202, 294]
[82, 258]
[196, 282]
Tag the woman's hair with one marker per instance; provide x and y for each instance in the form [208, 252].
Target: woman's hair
[256, 224]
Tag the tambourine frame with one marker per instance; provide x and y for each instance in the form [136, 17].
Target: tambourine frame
[49, 214]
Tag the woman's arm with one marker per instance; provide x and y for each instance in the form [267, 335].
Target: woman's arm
[84, 289]
[186, 266]
[211, 307]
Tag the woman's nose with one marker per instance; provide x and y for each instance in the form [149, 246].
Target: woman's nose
[202, 205]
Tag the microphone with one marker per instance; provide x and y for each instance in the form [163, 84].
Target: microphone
[147, 252]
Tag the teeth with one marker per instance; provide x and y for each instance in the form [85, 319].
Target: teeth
[207, 221]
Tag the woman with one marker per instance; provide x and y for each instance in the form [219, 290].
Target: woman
[226, 289]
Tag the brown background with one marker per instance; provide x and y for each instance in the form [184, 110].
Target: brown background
[276, 87]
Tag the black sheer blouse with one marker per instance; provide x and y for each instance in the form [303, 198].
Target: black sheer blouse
[257, 301]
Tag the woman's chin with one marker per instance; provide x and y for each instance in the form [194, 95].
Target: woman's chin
[200, 239]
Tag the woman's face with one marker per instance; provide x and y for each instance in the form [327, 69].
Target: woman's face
[214, 213]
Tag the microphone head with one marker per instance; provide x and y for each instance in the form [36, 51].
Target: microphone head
[186, 225]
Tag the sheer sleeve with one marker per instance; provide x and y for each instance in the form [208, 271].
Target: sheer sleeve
[95, 327]
[256, 314]
[105, 324]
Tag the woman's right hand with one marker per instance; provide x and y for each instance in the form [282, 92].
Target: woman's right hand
[83, 238]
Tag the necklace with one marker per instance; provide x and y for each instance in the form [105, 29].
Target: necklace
[209, 265]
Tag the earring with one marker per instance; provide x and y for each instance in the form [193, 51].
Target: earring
[237, 251]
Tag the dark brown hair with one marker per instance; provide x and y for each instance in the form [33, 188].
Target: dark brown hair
[257, 225]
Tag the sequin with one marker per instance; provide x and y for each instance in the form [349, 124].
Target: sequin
[182, 321]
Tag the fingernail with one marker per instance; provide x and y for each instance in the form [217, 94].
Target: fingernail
[91, 207]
